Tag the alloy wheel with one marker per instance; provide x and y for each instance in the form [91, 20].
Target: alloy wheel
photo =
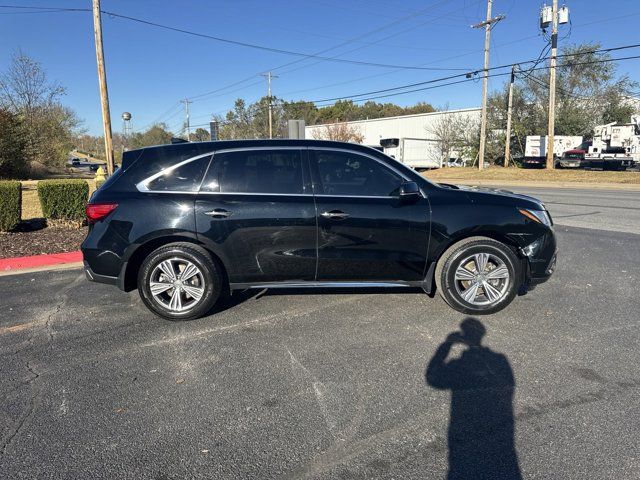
[482, 279]
[177, 284]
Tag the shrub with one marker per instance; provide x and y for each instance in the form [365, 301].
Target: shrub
[10, 204]
[63, 199]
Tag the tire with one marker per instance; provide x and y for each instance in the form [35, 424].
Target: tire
[465, 255]
[180, 298]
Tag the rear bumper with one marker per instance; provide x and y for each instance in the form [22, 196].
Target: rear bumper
[95, 277]
[106, 279]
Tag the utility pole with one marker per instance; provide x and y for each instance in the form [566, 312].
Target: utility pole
[552, 84]
[186, 102]
[104, 94]
[487, 24]
[507, 141]
[269, 76]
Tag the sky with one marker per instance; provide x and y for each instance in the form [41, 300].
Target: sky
[150, 69]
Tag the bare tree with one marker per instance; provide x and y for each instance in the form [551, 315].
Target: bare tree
[49, 127]
[24, 86]
[456, 134]
[445, 131]
[340, 132]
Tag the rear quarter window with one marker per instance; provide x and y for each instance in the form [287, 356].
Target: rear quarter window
[182, 178]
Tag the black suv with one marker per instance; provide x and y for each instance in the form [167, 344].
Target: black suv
[187, 223]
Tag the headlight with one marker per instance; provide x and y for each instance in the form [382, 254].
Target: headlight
[539, 216]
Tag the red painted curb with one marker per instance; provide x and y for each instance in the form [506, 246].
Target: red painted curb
[19, 263]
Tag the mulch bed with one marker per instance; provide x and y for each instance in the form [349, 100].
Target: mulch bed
[35, 238]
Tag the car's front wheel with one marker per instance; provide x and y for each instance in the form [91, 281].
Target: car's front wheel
[478, 275]
[179, 281]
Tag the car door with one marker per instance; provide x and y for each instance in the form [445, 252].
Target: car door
[366, 232]
[255, 207]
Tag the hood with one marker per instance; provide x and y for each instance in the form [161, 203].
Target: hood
[497, 196]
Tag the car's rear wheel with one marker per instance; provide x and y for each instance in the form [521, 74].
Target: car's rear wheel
[478, 275]
[179, 281]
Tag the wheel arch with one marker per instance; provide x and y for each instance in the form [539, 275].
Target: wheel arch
[129, 273]
[429, 281]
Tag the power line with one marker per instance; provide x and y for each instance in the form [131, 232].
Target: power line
[499, 67]
[346, 42]
[468, 80]
[251, 45]
[271, 49]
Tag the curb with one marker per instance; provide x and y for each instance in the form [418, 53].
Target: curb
[16, 264]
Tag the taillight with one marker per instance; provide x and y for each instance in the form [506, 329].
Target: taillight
[98, 211]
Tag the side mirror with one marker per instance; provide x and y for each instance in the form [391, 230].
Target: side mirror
[409, 191]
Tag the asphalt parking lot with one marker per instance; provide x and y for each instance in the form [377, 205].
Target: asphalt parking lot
[344, 385]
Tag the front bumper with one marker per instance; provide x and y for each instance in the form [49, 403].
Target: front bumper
[569, 164]
[541, 261]
[546, 275]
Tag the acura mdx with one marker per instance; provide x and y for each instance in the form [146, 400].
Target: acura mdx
[188, 223]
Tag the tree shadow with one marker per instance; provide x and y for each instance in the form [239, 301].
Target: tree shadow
[481, 426]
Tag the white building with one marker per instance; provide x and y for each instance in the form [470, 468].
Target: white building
[417, 144]
[419, 125]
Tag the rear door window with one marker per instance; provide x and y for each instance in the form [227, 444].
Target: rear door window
[255, 171]
[184, 178]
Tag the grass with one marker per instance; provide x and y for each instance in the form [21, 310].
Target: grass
[30, 202]
[533, 175]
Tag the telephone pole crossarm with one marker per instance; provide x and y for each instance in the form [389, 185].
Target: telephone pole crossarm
[489, 22]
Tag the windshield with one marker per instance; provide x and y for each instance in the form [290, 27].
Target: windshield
[575, 156]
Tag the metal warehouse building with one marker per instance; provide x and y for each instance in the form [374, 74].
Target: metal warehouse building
[410, 126]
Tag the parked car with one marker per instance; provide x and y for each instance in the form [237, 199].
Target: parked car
[186, 223]
[456, 162]
[571, 159]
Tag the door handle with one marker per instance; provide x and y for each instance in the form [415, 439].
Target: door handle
[218, 213]
[335, 214]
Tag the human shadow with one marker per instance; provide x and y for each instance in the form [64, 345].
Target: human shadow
[481, 427]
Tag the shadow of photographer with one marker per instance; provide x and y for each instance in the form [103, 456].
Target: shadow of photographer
[481, 426]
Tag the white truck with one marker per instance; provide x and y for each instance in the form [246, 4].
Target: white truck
[535, 149]
[417, 153]
[615, 146]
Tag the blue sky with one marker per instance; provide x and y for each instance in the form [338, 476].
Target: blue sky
[150, 69]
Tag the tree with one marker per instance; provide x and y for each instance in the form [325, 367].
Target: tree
[12, 145]
[200, 135]
[252, 121]
[157, 134]
[588, 93]
[340, 132]
[49, 127]
[300, 110]
[238, 123]
[455, 133]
